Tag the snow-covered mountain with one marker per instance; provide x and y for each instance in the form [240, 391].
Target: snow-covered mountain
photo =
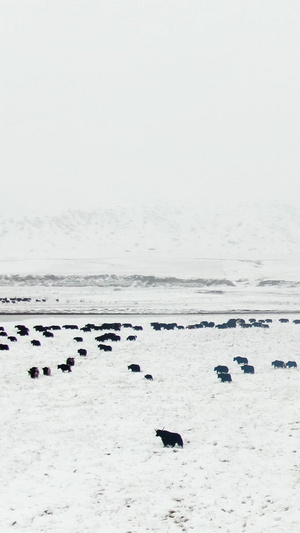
[236, 232]
[183, 241]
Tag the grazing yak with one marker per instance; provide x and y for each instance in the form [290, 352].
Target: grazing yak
[4, 347]
[291, 364]
[82, 351]
[34, 372]
[131, 338]
[108, 337]
[149, 376]
[22, 330]
[221, 369]
[241, 360]
[46, 371]
[47, 333]
[248, 369]
[105, 347]
[134, 368]
[225, 377]
[65, 368]
[70, 361]
[78, 339]
[39, 327]
[35, 342]
[116, 326]
[168, 438]
[278, 364]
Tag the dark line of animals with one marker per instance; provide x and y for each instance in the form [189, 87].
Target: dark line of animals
[231, 323]
[18, 299]
[169, 439]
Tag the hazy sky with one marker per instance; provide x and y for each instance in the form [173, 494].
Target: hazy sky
[117, 101]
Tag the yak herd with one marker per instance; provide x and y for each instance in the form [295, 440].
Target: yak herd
[110, 333]
[223, 370]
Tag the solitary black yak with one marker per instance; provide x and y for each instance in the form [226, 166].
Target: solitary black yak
[35, 342]
[134, 368]
[168, 438]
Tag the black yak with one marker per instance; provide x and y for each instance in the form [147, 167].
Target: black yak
[34, 372]
[108, 337]
[221, 369]
[225, 377]
[241, 360]
[35, 342]
[105, 347]
[22, 330]
[168, 438]
[134, 368]
[291, 364]
[278, 364]
[248, 369]
[47, 333]
[64, 367]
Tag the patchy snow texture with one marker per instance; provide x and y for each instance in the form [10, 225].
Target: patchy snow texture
[237, 231]
[79, 451]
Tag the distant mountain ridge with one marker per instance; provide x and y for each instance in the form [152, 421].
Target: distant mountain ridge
[232, 243]
[240, 232]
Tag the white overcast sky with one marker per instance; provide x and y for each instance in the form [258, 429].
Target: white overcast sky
[121, 101]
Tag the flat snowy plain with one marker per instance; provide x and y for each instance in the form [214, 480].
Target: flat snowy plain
[79, 452]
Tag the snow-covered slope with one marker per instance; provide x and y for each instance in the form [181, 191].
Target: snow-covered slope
[232, 241]
[79, 450]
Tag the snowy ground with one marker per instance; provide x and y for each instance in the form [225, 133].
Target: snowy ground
[155, 300]
[79, 451]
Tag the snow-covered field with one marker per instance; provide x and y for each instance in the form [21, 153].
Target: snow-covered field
[79, 452]
[143, 300]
